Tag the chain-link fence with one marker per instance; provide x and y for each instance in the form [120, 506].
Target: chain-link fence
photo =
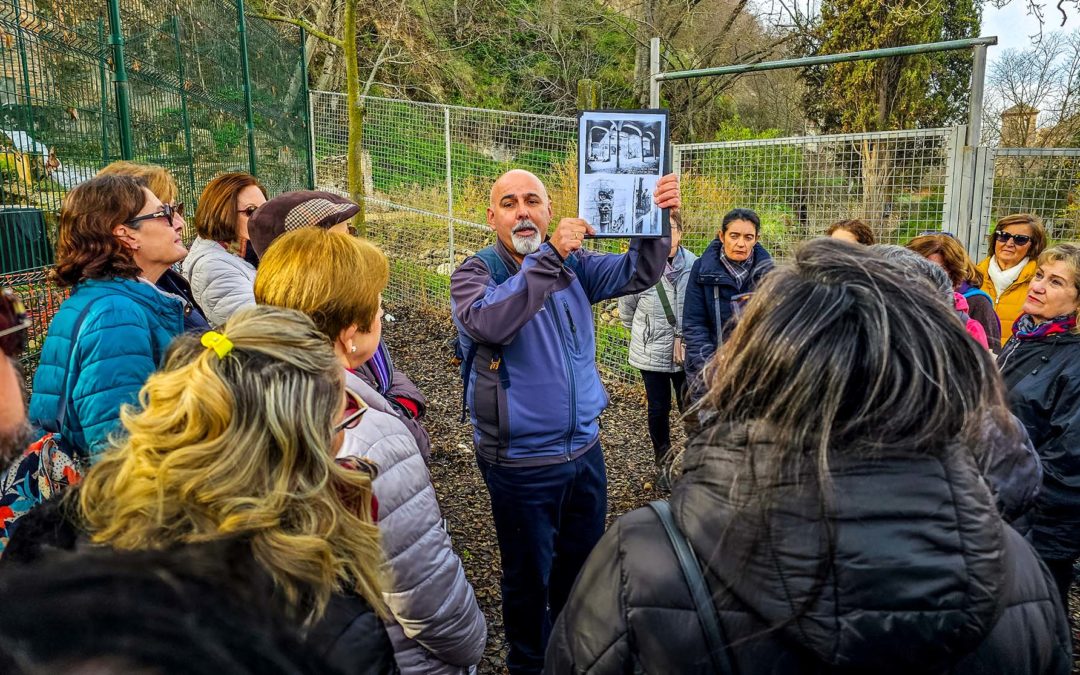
[186, 108]
[1045, 182]
[429, 170]
[896, 181]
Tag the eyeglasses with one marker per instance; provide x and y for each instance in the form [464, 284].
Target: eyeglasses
[352, 419]
[249, 211]
[167, 212]
[1020, 239]
[14, 323]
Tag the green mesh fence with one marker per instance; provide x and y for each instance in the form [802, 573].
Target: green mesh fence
[61, 119]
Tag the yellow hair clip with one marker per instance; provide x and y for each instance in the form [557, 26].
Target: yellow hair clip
[219, 343]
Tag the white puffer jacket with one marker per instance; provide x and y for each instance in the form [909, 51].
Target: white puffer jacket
[438, 628]
[651, 336]
[220, 281]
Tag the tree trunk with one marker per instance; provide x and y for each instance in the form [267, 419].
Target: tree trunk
[354, 158]
[877, 173]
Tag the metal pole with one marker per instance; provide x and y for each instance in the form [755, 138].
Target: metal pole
[23, 61]
[308, 108]
[449, 184]
[241, 22]
[654, 73]
[183, 104]
[103, 74]
[123, 100]
[928, 48]
[975, 100]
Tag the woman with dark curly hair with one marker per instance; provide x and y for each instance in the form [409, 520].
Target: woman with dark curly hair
[115, 240]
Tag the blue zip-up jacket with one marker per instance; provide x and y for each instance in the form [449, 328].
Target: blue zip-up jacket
[534, 393]
[122, 340]
[707, 306]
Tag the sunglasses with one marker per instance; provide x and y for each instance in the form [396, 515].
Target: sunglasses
[14, 323]
[249, 211]
[1020, 239]
[353, 418]
[167, 212]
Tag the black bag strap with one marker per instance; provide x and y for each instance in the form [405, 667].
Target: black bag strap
[665, 302]
[699, 591]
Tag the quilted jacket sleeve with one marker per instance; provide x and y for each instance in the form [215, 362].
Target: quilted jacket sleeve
[431, 601]
[114, 357]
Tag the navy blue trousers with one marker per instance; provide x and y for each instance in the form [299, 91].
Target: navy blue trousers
[547, 519]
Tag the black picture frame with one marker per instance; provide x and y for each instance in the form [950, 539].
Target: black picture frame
[621, 156]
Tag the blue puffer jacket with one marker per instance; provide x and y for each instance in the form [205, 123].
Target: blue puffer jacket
[534, 393]
[707, 306]
[126, 328]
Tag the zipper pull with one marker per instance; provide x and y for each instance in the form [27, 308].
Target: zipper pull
[569, 317]
[495, 363]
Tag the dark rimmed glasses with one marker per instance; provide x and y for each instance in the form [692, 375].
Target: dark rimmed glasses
[14, 323]
[1020, 239]
[351, 419]
[167, 212]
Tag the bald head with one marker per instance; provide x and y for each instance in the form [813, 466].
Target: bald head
[520, 211]
[515, 180]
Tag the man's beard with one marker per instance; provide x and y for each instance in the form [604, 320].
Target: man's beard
[13, 442]
[526, 245]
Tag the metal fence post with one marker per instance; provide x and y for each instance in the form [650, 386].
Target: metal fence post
[123, 104]
[103, 74]
[975, 99]
[23, 62]
[241, 27]
[654, 72]
[183, 104]
[449, 184]
[308, 109]
[953, 208]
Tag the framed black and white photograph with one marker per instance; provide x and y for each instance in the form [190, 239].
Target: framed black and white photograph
[622, 154]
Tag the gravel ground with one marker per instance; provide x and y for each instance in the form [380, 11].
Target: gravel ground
[418, 340]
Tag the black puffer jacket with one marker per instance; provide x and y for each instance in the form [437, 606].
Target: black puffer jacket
[349, 637]
[1043, 379]
[925, 578]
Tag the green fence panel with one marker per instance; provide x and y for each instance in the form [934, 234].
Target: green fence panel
[61, 118]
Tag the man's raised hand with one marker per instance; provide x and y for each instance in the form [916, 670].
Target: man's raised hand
[667, 195]
[569, 234]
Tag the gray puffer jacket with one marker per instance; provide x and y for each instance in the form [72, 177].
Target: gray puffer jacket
[220, 281]
[651, 336]
[437, 626]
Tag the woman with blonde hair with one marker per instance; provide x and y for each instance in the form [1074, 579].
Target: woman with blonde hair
[337, 280]
[235, 441]
[218, 269]
[1041, 368]
[1015, 245]
[163, 185]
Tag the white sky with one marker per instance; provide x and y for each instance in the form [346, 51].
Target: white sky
[1016, 29]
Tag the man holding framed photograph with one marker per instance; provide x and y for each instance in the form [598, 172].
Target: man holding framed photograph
[523, 309]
